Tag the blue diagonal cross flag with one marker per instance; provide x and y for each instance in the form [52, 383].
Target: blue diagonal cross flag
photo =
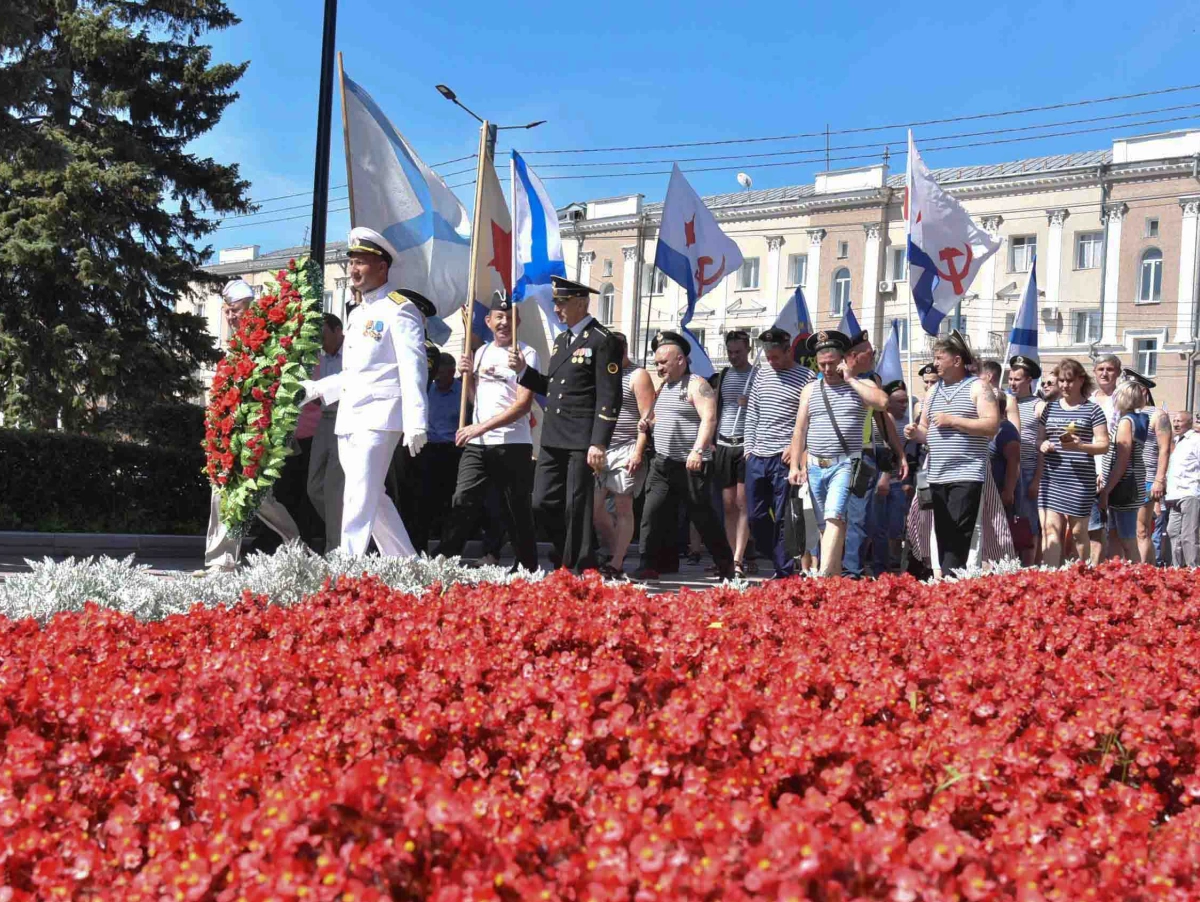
[537, 245]
[694, 253]
[1023, 339]
[888, 368]
[400, 197]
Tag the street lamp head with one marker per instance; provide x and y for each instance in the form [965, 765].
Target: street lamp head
[536, 124]
[447, 93]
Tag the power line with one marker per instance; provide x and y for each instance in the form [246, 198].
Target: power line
[247, 225]
[876, 128]
[843, 158]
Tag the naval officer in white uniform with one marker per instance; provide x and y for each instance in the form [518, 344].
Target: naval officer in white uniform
[380, 394]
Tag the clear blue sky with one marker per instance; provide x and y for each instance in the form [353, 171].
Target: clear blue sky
[634, 73]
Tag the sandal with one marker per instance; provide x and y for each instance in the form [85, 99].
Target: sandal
[739, 570]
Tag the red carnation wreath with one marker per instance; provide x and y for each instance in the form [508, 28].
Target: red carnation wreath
[252, 412]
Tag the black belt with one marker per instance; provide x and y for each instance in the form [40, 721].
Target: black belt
[735, 442]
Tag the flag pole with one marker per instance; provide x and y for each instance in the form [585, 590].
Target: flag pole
[907, 244]
[485, 130]
[512, 256]
[346, 136]
[320, 206]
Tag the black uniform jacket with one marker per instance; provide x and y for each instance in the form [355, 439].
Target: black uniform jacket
[582, 386]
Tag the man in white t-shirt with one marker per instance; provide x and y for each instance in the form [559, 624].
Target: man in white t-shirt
[498, 445]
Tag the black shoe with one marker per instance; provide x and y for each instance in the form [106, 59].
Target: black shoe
[644, 574]
[610, 572]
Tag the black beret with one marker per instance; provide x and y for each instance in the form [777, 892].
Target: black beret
[737, 335]
[857, 338]
[929, 369]
[1028, 364]
[671, 338]
[827, 340]
[775, 335]
[895, 385]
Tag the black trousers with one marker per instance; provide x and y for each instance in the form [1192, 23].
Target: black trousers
[563, 485]
[670, 484]
[508, 468]
[955, 509]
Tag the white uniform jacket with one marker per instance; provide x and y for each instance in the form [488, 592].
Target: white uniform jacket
[384, 368]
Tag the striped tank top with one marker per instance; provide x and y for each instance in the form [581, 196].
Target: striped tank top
[626, 429]
[848, 411]
[732, 424]
[955, 456]
[1135, 470]
[676, 421]
[1150, 447]
[1029, 432]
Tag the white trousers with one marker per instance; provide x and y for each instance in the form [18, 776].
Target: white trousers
[366, 511]
[221, 550]
[326, 481]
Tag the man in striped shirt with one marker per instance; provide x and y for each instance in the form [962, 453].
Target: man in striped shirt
[770, 419]
[729, 464]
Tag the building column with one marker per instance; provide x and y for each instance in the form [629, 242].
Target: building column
[629, 312]
[774, 243]
[812, 277]
[1112, 219]
[584, 275]
[1052, 271]
[868, 314]
[1189, 269]
[985, 288]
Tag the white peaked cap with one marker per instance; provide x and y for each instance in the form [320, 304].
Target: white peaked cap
[364, 240]
[237, 290]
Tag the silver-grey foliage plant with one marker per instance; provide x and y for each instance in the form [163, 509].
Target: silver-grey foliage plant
[285, 577]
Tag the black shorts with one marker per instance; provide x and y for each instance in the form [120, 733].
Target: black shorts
[729, 465]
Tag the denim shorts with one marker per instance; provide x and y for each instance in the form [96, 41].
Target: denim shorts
[1125, 523]
[830, 488]
[1097, 522]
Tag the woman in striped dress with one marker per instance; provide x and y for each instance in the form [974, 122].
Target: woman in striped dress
[1156, 455]
[1124, 465]
[1071, 432]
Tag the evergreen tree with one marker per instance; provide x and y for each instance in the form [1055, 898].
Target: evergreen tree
[103, 210]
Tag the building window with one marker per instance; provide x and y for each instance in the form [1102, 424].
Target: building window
[1009, 320]
[748, 274]
[797, 269]
[327, 302]
[843, 250]
[899, 264]
[1086, 326]
[1150, 277]
[606, 303]
[1021, 249]
[902, 331]
[1145, 351]
[699, 333]
[654, 280]
[1151, 228]
[841, 292]
[955, 320]
[606, 270]
[1087, 250]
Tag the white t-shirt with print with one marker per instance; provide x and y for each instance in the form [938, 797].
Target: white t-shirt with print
[496, 391]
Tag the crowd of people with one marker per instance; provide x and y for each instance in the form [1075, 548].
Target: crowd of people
[795, 454]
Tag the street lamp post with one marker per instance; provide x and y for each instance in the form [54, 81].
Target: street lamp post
[487, 151]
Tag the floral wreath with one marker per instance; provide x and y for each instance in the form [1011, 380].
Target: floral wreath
[252, 410]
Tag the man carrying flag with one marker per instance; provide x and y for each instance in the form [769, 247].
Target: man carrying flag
[1024, 370]
[693, 252]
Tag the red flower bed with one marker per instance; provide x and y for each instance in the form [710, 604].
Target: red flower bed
[1030, 736]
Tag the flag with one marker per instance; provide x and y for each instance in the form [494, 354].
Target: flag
[945, 247]
[849, 325]
[694, 253]
[537, 245]
[794, 318]
[407, 202]
[1024, 336]
[493, 259]
[889, 369]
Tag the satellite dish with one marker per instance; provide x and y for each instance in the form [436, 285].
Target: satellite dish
[744, 180]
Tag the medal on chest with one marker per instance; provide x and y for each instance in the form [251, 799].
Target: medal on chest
[374, 329]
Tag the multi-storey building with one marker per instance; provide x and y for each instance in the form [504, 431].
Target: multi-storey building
[1115, 233]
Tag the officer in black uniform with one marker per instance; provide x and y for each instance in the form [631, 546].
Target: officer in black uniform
[582, 387]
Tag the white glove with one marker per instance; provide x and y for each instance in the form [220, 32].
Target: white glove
[310, 392]
[414, 442]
